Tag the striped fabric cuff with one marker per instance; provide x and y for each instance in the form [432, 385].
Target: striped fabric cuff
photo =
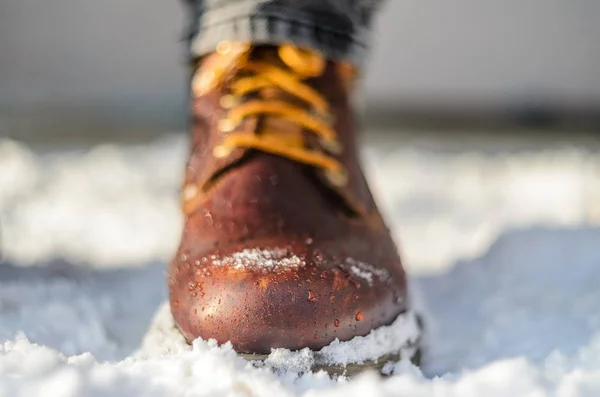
[250, 21]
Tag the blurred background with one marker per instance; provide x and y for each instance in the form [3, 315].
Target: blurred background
[481, 117]
[115, 66]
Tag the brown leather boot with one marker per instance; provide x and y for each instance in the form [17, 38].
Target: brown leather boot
[283, 245]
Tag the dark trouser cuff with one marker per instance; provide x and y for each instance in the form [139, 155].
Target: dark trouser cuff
[255, 22]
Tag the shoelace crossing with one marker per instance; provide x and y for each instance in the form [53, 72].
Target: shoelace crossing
[256, 75]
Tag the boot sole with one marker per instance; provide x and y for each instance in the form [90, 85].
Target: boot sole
[164, 332]
[351, 370]
[411, 350]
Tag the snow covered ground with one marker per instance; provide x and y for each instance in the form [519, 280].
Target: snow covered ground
[503, 247]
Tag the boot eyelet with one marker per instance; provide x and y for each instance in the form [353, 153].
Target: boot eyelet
[332, 146]
[222, 151]
[203, 82]
[337, 178]
[224, 47]
[189, 192]
[227, 125]
[228, 101]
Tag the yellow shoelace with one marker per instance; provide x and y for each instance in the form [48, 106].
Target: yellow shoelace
[312, 112]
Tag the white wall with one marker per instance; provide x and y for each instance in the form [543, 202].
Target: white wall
[123, 58]
[490, 51]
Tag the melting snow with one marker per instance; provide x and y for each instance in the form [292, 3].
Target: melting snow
[366, 271]
[268, 259]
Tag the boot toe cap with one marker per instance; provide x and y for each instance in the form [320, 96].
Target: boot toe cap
[260, 299]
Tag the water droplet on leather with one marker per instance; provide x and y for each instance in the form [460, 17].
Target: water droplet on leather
[359, 316]
[309, 241]
[336, 322]
[311, 296]
[208, 217]
[183, 257]
[274, 180]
